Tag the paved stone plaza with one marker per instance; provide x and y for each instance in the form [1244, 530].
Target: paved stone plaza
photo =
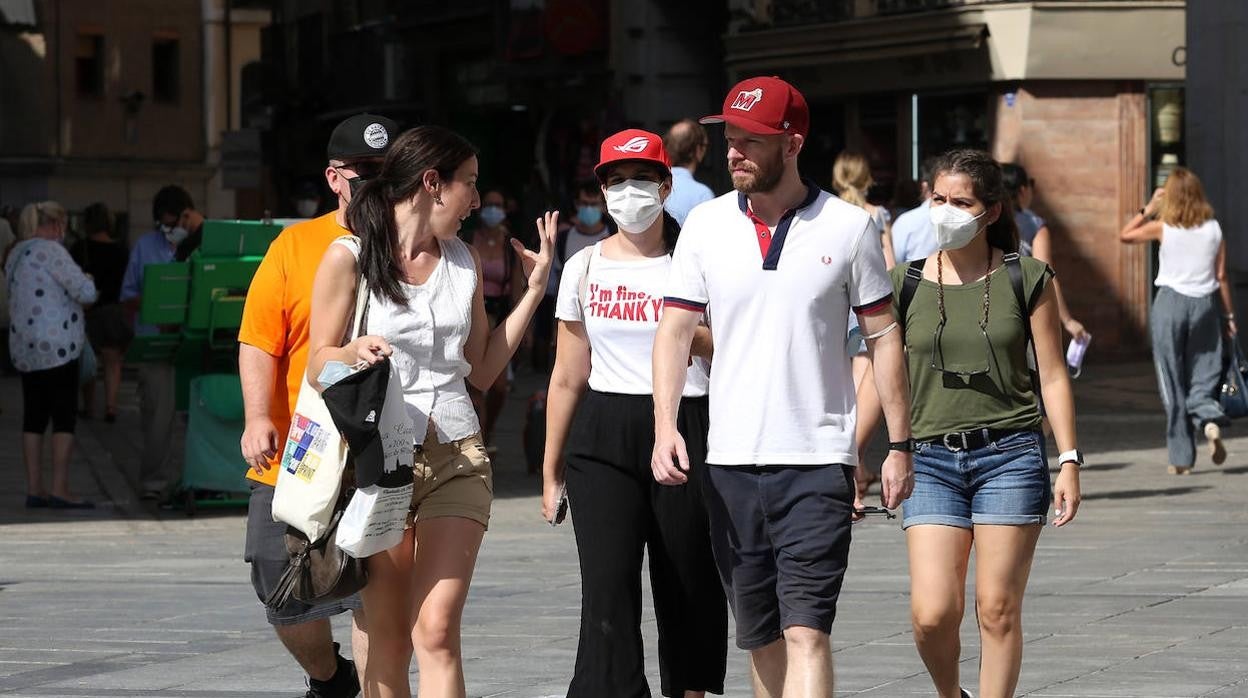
[1145, 595]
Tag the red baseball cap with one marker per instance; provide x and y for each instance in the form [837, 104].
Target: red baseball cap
[766, 105]
[632, 144]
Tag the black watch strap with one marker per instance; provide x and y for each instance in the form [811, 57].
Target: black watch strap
[906, 446]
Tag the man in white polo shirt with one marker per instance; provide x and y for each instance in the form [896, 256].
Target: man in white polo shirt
[778, 264]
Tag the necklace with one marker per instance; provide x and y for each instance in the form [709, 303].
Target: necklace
[940, 287]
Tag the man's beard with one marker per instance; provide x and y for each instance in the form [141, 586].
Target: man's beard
[765, 177]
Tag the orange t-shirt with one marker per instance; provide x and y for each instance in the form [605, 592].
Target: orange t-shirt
[276, 317]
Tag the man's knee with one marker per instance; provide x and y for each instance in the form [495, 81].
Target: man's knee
[800, 639]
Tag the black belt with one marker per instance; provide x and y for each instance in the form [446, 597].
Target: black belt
[970, 440]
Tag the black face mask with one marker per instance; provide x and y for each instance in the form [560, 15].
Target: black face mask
[356, 183]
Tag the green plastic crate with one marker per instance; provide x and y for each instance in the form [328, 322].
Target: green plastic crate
[218, 288]
[166, 292]
[222, 238]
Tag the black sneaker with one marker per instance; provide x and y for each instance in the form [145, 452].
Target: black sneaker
[344, 684]
[966, 693]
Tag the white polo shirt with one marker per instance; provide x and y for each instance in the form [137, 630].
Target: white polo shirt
[782, 392]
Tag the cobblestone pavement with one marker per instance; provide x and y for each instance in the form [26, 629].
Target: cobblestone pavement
[1146, 595]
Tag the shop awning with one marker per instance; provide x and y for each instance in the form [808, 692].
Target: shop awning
[849, 42]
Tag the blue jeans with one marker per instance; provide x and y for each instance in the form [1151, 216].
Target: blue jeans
[1005, 482]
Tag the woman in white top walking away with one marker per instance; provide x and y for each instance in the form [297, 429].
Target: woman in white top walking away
[1193, 290]
[610, 298]
[427, 313]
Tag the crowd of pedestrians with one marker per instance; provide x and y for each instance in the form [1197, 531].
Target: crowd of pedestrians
[718, 365]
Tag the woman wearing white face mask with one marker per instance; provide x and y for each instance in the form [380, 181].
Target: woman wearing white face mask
[981, 476]
[610, 298]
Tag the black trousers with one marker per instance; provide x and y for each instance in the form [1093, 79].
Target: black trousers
[618, 511]
[50, 395]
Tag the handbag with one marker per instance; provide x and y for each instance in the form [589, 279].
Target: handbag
[309, 477]
[1234, 392]
[319, 571]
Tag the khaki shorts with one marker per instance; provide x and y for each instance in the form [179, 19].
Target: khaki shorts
[452, 479]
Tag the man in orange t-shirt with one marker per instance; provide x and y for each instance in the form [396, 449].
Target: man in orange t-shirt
[272, 357]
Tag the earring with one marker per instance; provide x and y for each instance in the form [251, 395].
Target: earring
[437, 198]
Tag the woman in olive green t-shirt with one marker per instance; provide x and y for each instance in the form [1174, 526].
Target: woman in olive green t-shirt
[981, 478]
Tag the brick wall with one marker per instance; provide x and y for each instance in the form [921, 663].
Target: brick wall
[1085, 145]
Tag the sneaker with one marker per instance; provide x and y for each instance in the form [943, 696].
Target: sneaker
[344, 684]
[1217, 452]
[966, 693]
[1179, 469]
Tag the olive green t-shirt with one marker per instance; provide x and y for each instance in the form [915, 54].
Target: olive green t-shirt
[1000, 398]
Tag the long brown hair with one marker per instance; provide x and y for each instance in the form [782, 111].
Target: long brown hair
[371, 212]
[1185, 205]
[989, 187]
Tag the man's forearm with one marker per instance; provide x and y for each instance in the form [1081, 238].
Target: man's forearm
[670, 365]
[893, 384]
[257, 370]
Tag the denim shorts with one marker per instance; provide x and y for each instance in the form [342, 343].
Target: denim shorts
[1005, 482]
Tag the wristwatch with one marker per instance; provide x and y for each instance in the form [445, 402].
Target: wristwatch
[905, 445]
[1074, 455]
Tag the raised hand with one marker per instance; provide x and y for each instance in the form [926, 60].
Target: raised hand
[536, 265]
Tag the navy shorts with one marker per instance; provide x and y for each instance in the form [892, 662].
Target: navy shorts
[780, 534]
[1004, 482]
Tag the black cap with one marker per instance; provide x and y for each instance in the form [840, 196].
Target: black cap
[355, 403]
[362, 136]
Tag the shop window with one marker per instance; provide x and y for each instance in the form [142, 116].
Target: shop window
[166, 69]
[952, 121]
[89, 64]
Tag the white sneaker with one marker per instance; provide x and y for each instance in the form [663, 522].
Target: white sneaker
[1213, 434]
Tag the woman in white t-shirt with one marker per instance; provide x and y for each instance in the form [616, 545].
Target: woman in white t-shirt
[1193, 290]
[609, 301]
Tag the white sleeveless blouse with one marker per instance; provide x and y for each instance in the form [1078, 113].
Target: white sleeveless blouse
[428, 334]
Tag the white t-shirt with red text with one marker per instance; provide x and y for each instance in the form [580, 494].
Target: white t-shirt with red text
[622, 305]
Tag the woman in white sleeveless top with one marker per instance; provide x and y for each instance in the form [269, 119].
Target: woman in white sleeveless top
[426, 313]
[1193, 291]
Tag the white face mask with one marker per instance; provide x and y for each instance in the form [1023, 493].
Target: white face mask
[634, 204]
[954, 227]
[175, 234]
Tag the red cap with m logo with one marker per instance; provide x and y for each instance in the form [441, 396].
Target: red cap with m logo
[766, 105]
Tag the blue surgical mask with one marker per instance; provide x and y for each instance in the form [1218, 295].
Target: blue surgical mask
[589, 215]
[492, 215]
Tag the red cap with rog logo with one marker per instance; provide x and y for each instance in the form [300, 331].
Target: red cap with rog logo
[765, 105]
[633, 144]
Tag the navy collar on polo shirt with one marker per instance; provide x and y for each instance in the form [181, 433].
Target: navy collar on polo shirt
[770, 244]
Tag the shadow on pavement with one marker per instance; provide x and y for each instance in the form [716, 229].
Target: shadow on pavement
[1143, 494]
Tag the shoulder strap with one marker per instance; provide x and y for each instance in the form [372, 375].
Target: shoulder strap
[359, 318]
[583, 286]
[1014, 267]
[914, 274]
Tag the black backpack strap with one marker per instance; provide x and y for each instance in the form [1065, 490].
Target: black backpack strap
[1014, 267]
[914, 274]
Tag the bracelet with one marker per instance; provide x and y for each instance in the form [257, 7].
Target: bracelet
[1229, 316]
